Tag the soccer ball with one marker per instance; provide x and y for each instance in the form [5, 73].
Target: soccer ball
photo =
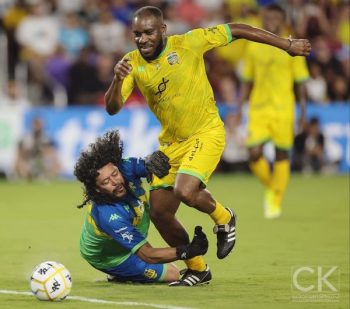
[50, 281]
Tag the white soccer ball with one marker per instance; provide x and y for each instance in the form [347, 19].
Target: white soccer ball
[50, 281]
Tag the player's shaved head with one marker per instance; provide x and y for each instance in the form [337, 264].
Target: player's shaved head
[149, 30]
[147, 11]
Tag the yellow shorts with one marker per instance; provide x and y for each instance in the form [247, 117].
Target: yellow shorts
[264, 126]
[197, 156]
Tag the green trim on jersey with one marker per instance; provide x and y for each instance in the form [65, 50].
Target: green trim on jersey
[92, 253]
[258, 143]
[100, 249]
[229, 33]
[264, 141]
[246, 79]
[194, 174]
[160, 187]
[283, 147]
[301, 80]
[165, 269]
[164, 49]
[138, 246]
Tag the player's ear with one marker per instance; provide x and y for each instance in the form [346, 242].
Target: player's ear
[163, 29]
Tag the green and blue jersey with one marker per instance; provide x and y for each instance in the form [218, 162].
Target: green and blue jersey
[111, 233]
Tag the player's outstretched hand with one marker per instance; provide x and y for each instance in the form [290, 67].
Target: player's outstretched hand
[199, 242]
[158, 164]
[198, 246]
[299, 47]
[122, 69]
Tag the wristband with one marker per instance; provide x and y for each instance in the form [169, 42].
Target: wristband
[290, 44]
[182, 252]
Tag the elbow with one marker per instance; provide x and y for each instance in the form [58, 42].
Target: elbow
[150, 260]
[111, 111]
[111, 108]
[149, 256]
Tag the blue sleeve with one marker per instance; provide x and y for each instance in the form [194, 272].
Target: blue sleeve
[120, 228]
[135, 167]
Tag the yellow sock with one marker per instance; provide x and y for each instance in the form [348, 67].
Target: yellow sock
[196, 263]
[220, 215]
[261, 169]
[280, 178]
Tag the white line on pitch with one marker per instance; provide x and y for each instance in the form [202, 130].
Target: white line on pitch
[101, 301]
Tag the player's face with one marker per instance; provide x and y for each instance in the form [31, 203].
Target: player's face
[273, 21]
[149, 33]
[110, 181]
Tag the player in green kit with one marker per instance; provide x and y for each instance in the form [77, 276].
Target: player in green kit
[114, 235]
[170, 73]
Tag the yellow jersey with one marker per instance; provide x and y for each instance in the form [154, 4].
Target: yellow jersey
[175, 85]
[273, 73]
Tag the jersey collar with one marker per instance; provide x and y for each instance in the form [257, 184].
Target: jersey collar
[164, 49]
[162, 52]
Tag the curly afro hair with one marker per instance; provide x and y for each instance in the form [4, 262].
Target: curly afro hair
[106, 149]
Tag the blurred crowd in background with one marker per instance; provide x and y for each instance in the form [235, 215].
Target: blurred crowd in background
[51, 44]
[62, 52]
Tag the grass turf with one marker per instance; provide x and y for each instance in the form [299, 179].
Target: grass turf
[39, 222]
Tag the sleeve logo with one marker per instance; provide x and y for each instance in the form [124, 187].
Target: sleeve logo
[125, 234]
[213, 29]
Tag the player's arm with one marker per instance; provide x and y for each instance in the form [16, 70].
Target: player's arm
[301, 95]
[113, 97]
[156, 255]
[198, 246]
[295, 47]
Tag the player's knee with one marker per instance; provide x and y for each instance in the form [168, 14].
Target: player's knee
[172, 273]
[161, 217]
[158, 216]
[254, 154]
[185, 195]
[281, 154]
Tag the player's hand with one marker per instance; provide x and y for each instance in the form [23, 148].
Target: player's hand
[299, 47]
[199, 243]
[157, 163]
[198, 246]
[122, 69]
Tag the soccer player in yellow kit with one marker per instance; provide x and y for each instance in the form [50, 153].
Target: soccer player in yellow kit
[269, 75]
[170, 73]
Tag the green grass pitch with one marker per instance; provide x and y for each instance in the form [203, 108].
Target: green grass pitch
[39, 222]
